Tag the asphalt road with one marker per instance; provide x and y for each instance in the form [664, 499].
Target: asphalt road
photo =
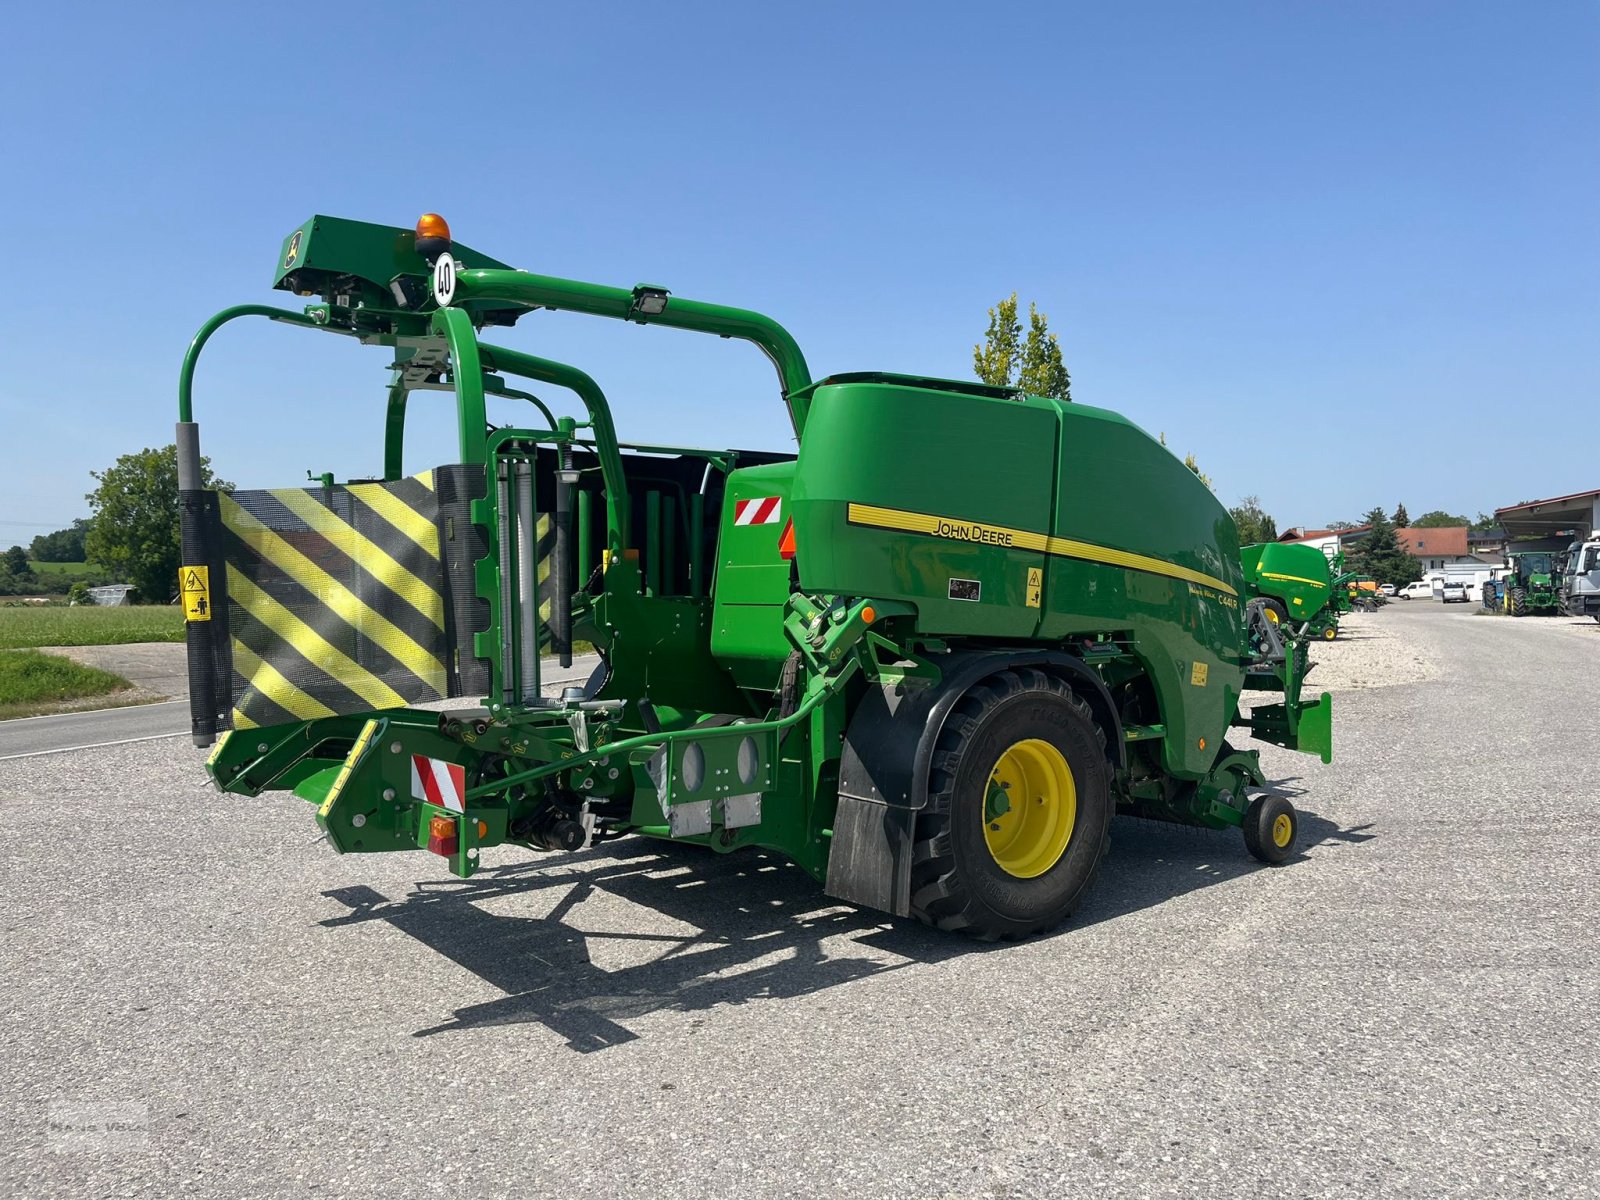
[1409, 1007]
[115, 726]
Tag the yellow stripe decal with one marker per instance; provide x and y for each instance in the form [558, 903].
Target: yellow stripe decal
[266, 679]
[368, 623]
[311, 645]
[365, 552]
[398, 513]
[1022, 539]
[350, 761]
[1292, 579]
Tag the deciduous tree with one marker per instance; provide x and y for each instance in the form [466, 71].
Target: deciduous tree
[134, 529]
[1006, 358]
[1254, 522]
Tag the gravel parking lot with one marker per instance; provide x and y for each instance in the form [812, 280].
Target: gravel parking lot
[202, 1000]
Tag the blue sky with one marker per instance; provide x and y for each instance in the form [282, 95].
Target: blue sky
[1345, 254]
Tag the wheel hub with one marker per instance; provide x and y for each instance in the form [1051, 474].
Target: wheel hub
[1030, 808]
[1282, 830]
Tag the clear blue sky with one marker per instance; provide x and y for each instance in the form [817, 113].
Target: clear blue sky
[1347, 254]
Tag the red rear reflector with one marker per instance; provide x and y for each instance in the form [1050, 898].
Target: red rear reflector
[442, 836]
[786, 542]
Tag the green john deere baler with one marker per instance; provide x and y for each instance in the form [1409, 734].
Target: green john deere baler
[926, 657]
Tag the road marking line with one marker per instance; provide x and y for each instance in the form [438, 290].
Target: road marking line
[154, 737]
[92, 712]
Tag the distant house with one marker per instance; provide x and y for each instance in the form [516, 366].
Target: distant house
[1434, 549]
[1326, 540]
[1488, 544]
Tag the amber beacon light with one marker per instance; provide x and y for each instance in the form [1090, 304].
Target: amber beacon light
[433, 236]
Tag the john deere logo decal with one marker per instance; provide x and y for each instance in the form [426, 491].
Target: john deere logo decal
[294, 249]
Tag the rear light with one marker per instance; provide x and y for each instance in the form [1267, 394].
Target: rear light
[442, 836]
[786, 542]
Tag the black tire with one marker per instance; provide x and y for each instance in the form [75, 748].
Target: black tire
[1518, 606]
[956, 882]
[1260, 824]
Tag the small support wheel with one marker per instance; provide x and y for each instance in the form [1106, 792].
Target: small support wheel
[1331, 632]
[1270, 828]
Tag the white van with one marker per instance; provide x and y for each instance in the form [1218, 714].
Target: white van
[1422, 589]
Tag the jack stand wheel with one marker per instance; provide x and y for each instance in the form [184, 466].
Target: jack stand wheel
[1271, 827]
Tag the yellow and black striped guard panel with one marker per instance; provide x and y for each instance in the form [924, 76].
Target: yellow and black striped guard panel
[336, 599]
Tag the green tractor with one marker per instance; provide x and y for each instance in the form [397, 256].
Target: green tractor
[1533, 583]
[926, 656]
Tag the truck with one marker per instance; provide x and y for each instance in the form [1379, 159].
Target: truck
[925, 654]
[1580, 579]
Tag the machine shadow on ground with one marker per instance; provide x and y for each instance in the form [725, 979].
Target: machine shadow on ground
[1152, 862]
[754, 926]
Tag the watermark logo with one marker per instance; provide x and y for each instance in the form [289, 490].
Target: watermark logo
[80, 1126]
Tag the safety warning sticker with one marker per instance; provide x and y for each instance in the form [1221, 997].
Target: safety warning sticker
[194, 583]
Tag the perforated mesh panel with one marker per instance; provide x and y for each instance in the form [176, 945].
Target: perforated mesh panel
[336, 599]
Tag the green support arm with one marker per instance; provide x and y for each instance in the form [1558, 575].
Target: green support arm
[547, 291]
[394, 427]
[192, 357]
[466, 366]
[528, 366]
[206, 691]
[519, 394]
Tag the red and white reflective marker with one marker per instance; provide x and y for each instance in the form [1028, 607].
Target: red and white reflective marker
[439, 782]
[765, 510]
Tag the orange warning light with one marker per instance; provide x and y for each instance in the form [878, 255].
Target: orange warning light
[433, 236]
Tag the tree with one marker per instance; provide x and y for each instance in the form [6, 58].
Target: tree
[64, 545]
[1485, 523]
[1401, 519]
[1006, 359]
[1336, 526]
[1191, 462]
[1439, 519]
[1254, 522]
[134, 530]
[16, 563]
[1380, 555]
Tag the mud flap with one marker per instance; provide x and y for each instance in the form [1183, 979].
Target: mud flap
[870, 860]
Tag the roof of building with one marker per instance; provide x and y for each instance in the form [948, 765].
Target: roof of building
[1558, 513]
[1314, 535]
[1446, 542]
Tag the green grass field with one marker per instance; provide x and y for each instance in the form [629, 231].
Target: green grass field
[72, 569]
[32, 682]
[24, 625]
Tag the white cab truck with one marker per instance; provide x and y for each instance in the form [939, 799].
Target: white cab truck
[1580, 584]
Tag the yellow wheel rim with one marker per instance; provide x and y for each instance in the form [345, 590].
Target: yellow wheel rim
[1330, 634]
[1282, 830]
[1030, 808]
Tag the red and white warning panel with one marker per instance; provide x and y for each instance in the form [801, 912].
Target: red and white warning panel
[764, 510]
[439, 782]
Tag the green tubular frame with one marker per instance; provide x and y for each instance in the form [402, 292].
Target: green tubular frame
[192, 356]
[570, 295]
